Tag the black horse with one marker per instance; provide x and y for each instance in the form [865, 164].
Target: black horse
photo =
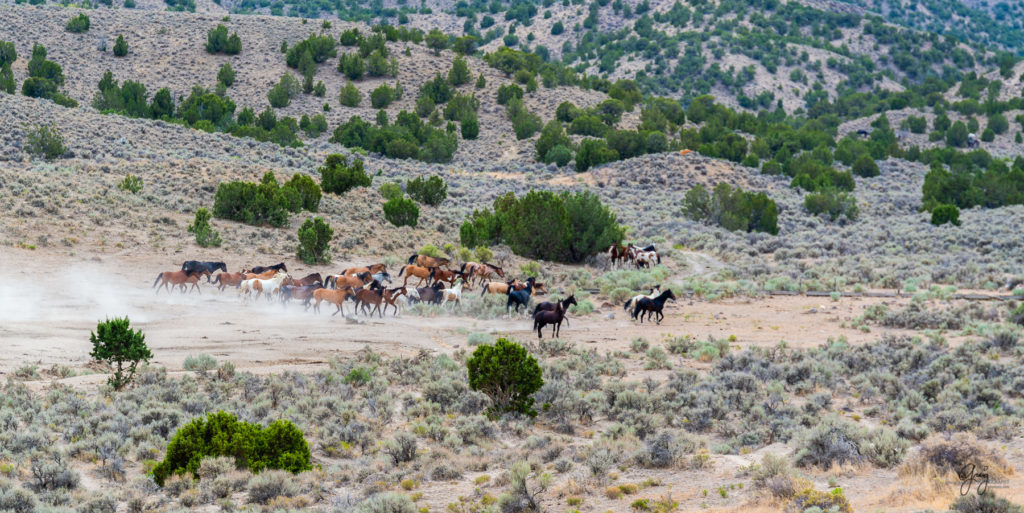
[550, 307]
[195, 267]
[519, 297]
[553, 316]
[432, 294]
[652, 307]
[260, 269]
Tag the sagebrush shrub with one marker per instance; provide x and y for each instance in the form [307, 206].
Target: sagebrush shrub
[45, 141]
[271, 485]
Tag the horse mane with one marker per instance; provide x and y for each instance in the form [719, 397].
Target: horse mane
[492, 266]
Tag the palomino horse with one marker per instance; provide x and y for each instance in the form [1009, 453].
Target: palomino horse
[223, 280]
[427, 261]
[268, 286]
[423, 273]
[453, 294]
[174, 279]
[372, 269]
[555, 317]
[635, 299]
[652, 307]
[335, 297]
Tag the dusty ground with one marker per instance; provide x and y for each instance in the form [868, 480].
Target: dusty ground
[47, 316]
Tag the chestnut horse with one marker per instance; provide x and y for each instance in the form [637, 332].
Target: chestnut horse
[618, 252]
[223, 280]
[335, 297]
[426, 261]
[443, 275]
[423, 273]
[372, 269]
[393, 296]
[173, 279]
[337, 281]
[366, 297]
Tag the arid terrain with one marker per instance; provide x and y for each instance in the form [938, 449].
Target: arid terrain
[859, 359]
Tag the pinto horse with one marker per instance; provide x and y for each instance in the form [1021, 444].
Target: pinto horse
[453, 294]
[519, 297]
[423, 273]
[335, 297]
[260, 269]
[225, 279]
[652, 307]
[268, 286]
[554, 317]
[428, 261]
[195, 266]
[635, 299]
[618, 252]
[265, 275]
[168, 279]
[550, 307]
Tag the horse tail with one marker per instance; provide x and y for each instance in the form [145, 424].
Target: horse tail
[657, 255]
[625, 307]
[161, 275]
[412, 259]
[402, 270]
[483, 290]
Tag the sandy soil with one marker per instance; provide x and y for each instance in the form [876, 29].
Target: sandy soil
[50, 302]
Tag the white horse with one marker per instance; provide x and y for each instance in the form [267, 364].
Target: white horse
[635, 299]
[453, 294]
[268, 286]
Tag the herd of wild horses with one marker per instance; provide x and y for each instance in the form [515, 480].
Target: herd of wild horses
[436, 283]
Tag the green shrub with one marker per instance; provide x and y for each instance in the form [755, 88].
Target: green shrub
[543, 225]
[7, 83]
[226, 75]
[338, 176]
[131, 183]
[865, 167]
[391, 190]
[470, 126]
[437, 89]
[314, 240]
[983, 502]
[436, 41]
[9, 54]
[459, 73]
[481, 82]
[78, 24]
[116, 344]
[401, 212]
[318, 47]
[120, 46]
[732, 208]
[45, 141]
[279, 446]
[552, 135]
[350, 96]
[507, 92]
[387, 502]
[382, 96]
[205, 235]
[431, 191]
[998, 124]
[560, 155]
[943, 214]
[507, 374]
[253, 203]
[461, 105]
[282, 93]
[352, 65]
[218, 41]
[832, 203]
[917, 124]
[594, 152]
[308, 192]
[956, 136]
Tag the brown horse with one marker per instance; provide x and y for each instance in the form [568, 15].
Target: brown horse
[304, 293]
[437, 275]
[224, 280]
[372, 269]
[174, 279]
[367, 297]
[391, 297]
[426, 261]
[265, 275]
[310, 279]
[498, 287]
[337, 281]
[423, 273]
[334, 296]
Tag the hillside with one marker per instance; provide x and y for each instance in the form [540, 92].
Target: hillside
[835, 200]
